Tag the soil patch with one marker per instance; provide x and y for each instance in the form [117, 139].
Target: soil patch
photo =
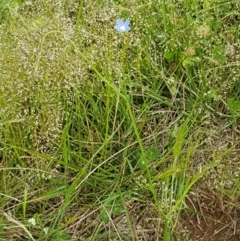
[210, 217]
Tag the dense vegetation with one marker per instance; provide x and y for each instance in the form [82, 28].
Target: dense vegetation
[119, 136]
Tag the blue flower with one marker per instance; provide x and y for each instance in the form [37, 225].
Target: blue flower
[122, 26]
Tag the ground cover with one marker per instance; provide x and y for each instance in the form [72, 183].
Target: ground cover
[119, 120]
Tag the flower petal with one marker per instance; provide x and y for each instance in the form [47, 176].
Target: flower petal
[126, 25]
[122, 26]
[120, 22]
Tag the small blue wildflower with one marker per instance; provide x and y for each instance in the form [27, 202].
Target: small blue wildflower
[122, 26]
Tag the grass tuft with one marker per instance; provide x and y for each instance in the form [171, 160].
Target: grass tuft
[119, 136]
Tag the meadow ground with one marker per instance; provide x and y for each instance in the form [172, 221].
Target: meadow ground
[108, 135]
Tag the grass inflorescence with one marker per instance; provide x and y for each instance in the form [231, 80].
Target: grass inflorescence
[119, 133]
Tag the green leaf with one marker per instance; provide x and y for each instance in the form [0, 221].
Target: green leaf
[169, 55]
[117, 209]
[218, 54]
[142, 162]
[191, 61]
[61, 235]
[181, 135]
[104, 216]
[152, 153]
[234, 105]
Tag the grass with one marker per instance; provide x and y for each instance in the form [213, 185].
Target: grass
[110, 136]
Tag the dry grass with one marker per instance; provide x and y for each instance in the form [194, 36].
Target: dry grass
[108, 136]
